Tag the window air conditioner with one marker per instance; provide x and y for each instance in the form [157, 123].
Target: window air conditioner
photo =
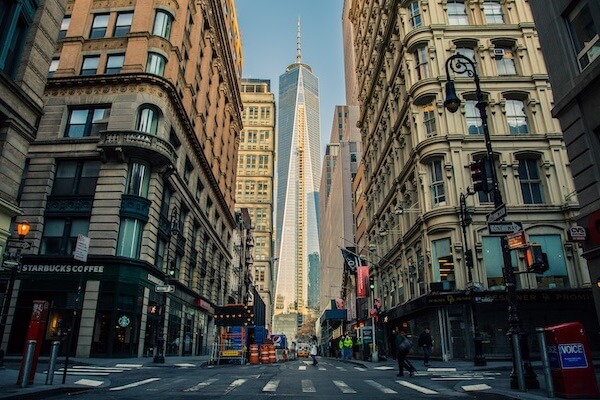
[498, 53]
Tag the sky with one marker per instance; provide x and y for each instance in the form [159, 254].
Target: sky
[268, 29]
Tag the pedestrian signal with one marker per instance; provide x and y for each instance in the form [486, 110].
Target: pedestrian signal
[537, 260]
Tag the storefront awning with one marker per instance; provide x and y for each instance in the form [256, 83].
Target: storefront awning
[333, 315]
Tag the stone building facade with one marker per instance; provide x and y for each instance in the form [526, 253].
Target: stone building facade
[136, 150]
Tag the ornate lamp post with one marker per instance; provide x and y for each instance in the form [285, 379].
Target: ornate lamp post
[159, 357]
[11, 262]
[460, 64]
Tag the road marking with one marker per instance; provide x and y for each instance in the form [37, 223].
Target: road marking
[360, 369]
[380, 387]
[134, 384]
[341, 368]
[418, 388]
[462, 378]
[322, 369]
[441, 369]
[271, 386]
[302, 368]
[89, 382]
[97, 369]
[472, 388]
[185, 365]
[71, 372]
[343, 387]
[129, 365]
[201, 385]
[384, 368]
[307, 386]
[235, 384]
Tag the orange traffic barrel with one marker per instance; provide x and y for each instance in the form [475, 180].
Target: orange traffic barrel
[284, 356]
[272, 354]
[253, 354]
[264, 354]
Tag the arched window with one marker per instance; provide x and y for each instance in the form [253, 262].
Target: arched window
[516, 117]
[156, 64]
[162, 24]
[147, 119]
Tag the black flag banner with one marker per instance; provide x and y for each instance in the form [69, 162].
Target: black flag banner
[352, 260]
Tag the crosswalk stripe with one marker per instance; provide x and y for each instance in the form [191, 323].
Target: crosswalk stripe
[185, 365]
[96, 368]
[271, 386]
[360, 369]
[472, 388]
[418, 388]
[341, 368]
[380, 387]
[71, 372]
[302, 368]
[201, 385]
[343, 387]
[88, 382]
[134, 384]
[307, 386]
[129, 365]
[462, 378]
[384, 368]
[235, 384]
[441, 369]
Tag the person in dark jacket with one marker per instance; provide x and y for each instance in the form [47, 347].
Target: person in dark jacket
[426, 343]
[403, 345]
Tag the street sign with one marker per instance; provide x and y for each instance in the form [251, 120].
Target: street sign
[516, 240]
[504, 227]
[81, 248]
[19, 244]
[497, 214]
[164, 288]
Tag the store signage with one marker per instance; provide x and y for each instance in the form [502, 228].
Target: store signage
[82, 248]
[577, 233]
[203, 304]
[62, 268]
[362, 276]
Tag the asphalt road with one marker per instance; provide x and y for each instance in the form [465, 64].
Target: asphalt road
[331, 379]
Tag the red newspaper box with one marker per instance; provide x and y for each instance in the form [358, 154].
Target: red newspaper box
[571, 361]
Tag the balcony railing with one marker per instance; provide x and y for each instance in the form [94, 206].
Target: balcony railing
[149, 147]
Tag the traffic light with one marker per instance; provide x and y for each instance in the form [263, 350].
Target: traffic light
[537, 260]
[371, 285]
[479, 175]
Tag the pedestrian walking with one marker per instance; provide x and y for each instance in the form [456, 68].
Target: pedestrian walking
[403, 346]
[341, 346]
[313, 352]
[348, 344]
[426, 343]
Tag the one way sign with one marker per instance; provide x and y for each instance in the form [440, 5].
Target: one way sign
[504, 228]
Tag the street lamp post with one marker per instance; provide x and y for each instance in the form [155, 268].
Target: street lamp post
[23, 228]
[460, 64]
[465, 220]
[159, 357]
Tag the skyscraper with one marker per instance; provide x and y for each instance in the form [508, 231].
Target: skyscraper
[298, 169]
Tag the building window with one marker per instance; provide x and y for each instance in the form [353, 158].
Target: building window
[457, 13]
[438, 192]
[584, 33]
[467, 52]
[99, 25]
[414, 14]
[162, 24]
[493, 12]
[114, 63]
[531, 184]
[138, 179]
[87, 121]
[556, 277]
[64, 27]
[123, 24]
[130, 238]
[443, 263]
[516, 117]
[156, 64]
[421, 62]
[505, 61]
[472, 117]
[76, 178]
[429, 120]
[188, 169]
[147, 119]
[60, 235]
[53, 67]
[89, 66]
[15, 20]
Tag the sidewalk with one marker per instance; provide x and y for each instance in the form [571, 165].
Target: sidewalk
[10, 373]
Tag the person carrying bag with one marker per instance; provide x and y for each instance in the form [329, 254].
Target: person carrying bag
[403, 346]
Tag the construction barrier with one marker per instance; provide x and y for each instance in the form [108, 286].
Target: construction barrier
[272, 354]
[253, 354]
[264, 354]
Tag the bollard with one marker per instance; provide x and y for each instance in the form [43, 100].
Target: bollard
[545, 362]
[518, 362]
[28, 360]
[52, 362]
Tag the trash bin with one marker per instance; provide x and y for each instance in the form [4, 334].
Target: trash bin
[570, 361]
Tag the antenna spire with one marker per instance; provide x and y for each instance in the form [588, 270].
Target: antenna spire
[298, 44]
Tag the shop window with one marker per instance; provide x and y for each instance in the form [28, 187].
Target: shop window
[114, 63]
[516, 117]
[130, 238]
[530, 181]
[156, 64]
[87, 121]
[457, 13]
[162, 24]
[99, 25]
[493, 12]
[494, 262]
[584, 25]
[123, 24]
[76, 178]
[414, 14]
[147, 119]
[90, 64]
[436, 186]
[556, 277]
[60, 235]
[138, 179]
[443, 264]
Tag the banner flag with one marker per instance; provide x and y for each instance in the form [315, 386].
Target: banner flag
[352, 260]
[362, 278]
